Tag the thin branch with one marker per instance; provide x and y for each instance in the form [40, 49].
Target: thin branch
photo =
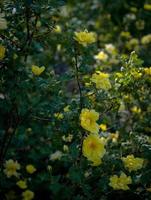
[77, 76]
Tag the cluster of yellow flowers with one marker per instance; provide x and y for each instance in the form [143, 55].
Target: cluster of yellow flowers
[37, 70]
[101, 80]
[121, 182]
[132, 164]
[85, 37]
[93, 145]
[2, 52]
[11, 168]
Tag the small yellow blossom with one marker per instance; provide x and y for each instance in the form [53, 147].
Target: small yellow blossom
[132, 163]
[136, 74]
[37, 70]
[93, 149]
[85, 37]
[101, 80]
[49, 168]
[65, 148]
[28, 195]
[119, 74]
[114, 137]
[58, 115]
[146, 39]
[110, 48]
[103, 127]
[125, 34]
[132, 44]
[22, 184]
[56, 155]
[136, 109]
[57, 29]
[11, 168]
[147, 70]
[30, 169]
[147, 7]
[2, 52]
[88, 120]
[68, 138]
[121, 182]
[101, 56]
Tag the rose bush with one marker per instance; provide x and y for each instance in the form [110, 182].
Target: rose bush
[75, 110]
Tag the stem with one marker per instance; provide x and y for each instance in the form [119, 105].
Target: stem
[77, 77]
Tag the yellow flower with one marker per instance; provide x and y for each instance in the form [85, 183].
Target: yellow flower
[58, 115]
[3, 23]
[103, 127]
[2, 52]
[125, 34]
[114, 136]
[101, 80]
[136, 109]
[132, 163]
[88, 120]
[146, 39]
[28, 195]
[85, 37]
[37, 70]
[120, 183]
[30, 169]
[147, 7]
[65, 148]
[11, 168]
[93, 149]
[147, 70]
[57, 29]
[68, 138]
[110, 48]
[101, 56]
[22, 184]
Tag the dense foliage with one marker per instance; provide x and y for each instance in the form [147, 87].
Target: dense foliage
[75, 110]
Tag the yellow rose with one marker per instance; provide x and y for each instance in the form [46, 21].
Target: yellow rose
[132, 164]
[11, 168]
[121, 182]
[93, 149]
[88, 120]
[22, 184]
[101, 80]
[30, 169]
[85, 37]
[37, 70]
[28, 195]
